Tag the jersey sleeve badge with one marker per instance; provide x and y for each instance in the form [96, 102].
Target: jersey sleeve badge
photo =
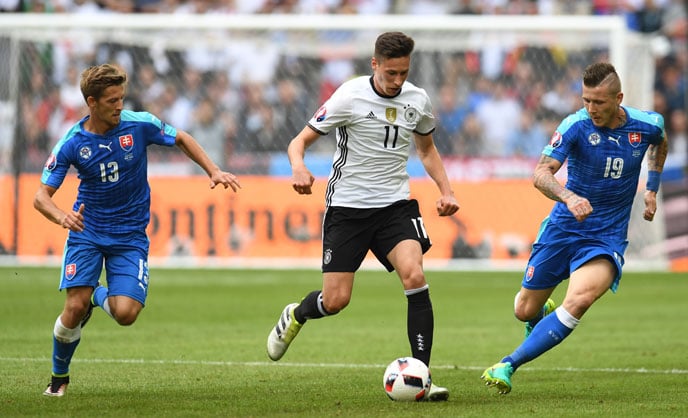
[51, 162]
[555, 140]
[321, 114]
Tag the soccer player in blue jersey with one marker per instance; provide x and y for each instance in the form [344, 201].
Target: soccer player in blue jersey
[377, 120]
[585, 235]
[107, 223]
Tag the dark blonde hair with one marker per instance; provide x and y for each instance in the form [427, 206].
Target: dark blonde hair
[94, 80]
[602, 73]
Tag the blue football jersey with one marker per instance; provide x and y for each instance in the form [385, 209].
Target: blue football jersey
[113, 172]
[604, 167]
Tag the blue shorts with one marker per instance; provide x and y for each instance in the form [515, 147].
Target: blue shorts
[125, 260]
[557, 253]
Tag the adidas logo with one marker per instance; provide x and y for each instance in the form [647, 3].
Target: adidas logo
[371, 115]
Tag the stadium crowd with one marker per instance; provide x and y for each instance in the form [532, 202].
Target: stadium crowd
[249, 111]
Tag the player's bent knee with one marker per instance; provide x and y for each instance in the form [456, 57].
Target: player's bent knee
[336, 306]
[126, 318]
[525, 313]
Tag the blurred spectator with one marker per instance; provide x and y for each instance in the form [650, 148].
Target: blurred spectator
[290, 111]
[465, 7]
[147, 6]
[371, 7]
[279, 7]
[210, 128]
[70, 91]
[675, 25]
[318, 6]
[677, 131]
[37, 105]
[451, 113]
[671, 83]
[10, 6]
[645, 15]
[149, 87]
[560, 99]
[527, 88]
[257, 130]
[528, 139]
[427, 7]
[176, 109]
[481, 90]
[469, 140]
[224, 94]
[499, 115]
[84, 6]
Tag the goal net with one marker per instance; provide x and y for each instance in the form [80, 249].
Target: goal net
[245, 85]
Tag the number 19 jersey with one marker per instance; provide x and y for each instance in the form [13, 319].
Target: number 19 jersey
[604, 166]
[374, 135]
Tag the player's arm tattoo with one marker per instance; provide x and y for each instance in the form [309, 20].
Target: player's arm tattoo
[656, 155]
[544, 180]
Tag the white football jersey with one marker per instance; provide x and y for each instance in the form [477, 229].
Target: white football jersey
[374, 135]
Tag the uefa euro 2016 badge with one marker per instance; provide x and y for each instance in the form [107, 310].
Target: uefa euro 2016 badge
[51, 162]
[594, 138]
[327, 256]
[321, 114]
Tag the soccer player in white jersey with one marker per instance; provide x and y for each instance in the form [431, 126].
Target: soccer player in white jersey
[107, 222]
[585, 235]
[368, 205]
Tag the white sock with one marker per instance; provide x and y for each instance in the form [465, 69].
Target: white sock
[64, 334]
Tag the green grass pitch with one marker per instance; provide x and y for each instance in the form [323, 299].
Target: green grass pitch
[198, 349]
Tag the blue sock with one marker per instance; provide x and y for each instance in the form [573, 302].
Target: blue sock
[62, 356]
[99, 295]
[65, 341]
[532, 322]
[549, 332]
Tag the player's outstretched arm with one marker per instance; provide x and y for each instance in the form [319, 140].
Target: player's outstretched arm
[656, 156]
[544, 180]
[193, 150]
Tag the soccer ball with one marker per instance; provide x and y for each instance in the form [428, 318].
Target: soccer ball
[406, 379]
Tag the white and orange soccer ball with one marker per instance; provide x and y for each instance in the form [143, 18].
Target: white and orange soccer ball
[406, 379]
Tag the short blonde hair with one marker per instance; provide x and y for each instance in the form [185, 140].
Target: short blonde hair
[95, 79]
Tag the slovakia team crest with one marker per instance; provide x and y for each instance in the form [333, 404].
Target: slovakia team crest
[634, 138]
[70, 271]
[126, 142]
